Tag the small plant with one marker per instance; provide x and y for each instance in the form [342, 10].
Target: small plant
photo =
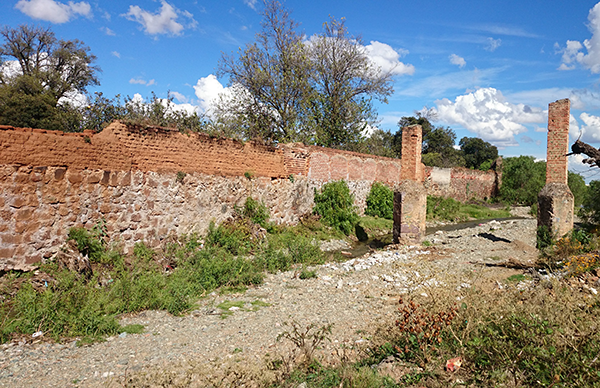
[249, 175]
[545, 237]
[427, 243]
[307, 340]
[87, 140]
[256, 211]
[380, 201]
[306, 274]
[418, 332]
[180, 177]
[335, 205]
[291, 178]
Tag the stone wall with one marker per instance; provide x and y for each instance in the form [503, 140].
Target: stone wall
[151, 182]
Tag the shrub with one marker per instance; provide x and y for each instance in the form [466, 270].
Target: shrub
[442, 208]
[88, 244]
[380, 201]
[256, 211]
[335, 205]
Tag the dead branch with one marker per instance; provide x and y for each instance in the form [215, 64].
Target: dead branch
[593, 154]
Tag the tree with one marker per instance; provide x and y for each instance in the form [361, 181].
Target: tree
[477, 152]
[55, 67]
[344, 83]
[578, 188]
[274, 70]
[522, 180]
[590, 211]
[438, 142]
[36, 71]
[381, 143]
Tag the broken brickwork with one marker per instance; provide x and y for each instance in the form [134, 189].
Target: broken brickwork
[410, 198]
[555, 201]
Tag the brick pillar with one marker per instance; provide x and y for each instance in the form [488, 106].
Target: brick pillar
[410, 197]
[555, 201]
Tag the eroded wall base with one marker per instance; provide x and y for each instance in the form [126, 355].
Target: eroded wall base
[410, 211]
[555, 208]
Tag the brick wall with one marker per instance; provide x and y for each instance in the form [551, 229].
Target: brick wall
[52, 181]
[558, 141]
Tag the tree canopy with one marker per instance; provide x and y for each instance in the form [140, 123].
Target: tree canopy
[318, 91]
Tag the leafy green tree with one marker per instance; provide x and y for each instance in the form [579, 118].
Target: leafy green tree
[55, 66]
[590, 211]
[438, 142]
[477, 153]
[578, 188]
[522, 180]
[344, 81]
[36, 72]
[381, 143]
[335, 205]
[274, 72]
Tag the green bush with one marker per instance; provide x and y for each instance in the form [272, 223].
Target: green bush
[88, 244]
[440, 208]
[335, 205]
[380, 201]
[256, 211]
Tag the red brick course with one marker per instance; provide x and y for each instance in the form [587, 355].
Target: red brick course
[558, 141]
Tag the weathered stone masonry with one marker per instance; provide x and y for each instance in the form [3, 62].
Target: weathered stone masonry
[51, 181]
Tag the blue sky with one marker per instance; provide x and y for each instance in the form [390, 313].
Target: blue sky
[489, 68]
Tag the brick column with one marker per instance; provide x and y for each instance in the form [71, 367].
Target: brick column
[410, 198]
[555, 201]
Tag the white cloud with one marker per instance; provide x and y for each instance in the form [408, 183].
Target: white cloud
[140, 81]
[162, 22]
[458, 61]
[388, 59]
[590, 128]
[116, 54]
[53, 11]
[250, 3]
[487, 113]
[179, 97]
[493, 44]
[108, 31]
[207, 90]
[573, 53]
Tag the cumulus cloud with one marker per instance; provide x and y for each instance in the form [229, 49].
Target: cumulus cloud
[162, 22]
[573, 52]
[487, 113]
[492, 44]
[388, 59]
[53, 11]
[590, 130]
[458, 61]
[207, 90]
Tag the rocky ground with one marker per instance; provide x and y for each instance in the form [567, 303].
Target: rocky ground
[355, 296]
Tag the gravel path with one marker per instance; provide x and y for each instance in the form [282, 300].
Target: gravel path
[354, 296]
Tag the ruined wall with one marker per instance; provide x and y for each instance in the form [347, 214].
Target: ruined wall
[52, 181]
[460, 183]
